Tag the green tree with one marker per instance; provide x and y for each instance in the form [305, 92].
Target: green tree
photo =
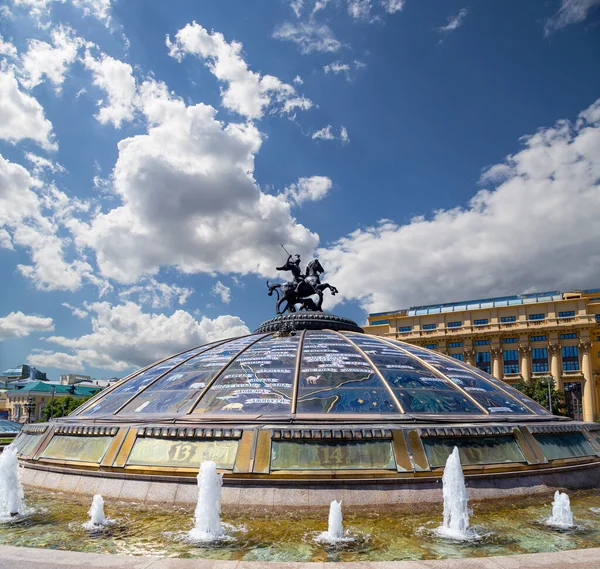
[62, 406]
[537, 389]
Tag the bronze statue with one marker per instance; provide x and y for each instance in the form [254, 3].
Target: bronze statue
[300, 290]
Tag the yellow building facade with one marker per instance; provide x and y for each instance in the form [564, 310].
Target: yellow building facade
[533, 335]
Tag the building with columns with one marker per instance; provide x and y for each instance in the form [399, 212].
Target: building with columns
[529, 335]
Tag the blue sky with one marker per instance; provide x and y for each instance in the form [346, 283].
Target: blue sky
[153, 156]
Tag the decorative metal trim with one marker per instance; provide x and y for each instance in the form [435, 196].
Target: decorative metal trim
[551, 429]
[188, 433]
[466, 431]
[86, 431]
[331, 434]
[34, 429]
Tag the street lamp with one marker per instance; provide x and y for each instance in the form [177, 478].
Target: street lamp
[549, 380]
[29, 407]
[52, 392]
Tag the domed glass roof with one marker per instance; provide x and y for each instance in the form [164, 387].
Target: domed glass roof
[307, 374]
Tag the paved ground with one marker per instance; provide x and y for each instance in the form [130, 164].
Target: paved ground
[29, 558]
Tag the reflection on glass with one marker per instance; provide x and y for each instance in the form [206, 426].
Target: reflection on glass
[335, 378]
[417, 387]
[178, 389]
[260, 381]
[113, 400]
[564, 445]
[25, 443]
[80, 449]
[484, 391]
[473, 450]
[321, 455]
[182, 454]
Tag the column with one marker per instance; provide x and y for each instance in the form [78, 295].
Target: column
[496, 355]
[525, 368]
[554, 351]
[590, 408]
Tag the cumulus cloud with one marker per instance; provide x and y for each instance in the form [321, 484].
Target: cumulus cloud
[525, 233]
[60, 360]
[41, 165]
[79, 312]
[189, 198]
[223, 292]
[309, 36]
[454, 22]
[7, 48]
[308, 189]
[45, 61]
[157, 294]
[570, 12]
[116, 79]
[246, 92]
[124, 336]
[19, 325]
[21, 116]
[39, 10]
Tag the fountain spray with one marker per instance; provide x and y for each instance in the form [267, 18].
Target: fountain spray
[11, 489]
[208, 525]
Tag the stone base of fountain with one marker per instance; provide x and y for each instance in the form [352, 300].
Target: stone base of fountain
[409, 495]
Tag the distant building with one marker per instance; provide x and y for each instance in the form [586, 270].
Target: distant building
[86, 380]
[528, 336]
[38, 395]
[21, 374]
[72, 378]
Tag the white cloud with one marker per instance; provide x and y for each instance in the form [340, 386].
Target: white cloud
[157, 294]
[7, 48]
[524, 234]
[19, 325]
[570, 12]
[392, 6]
[21, 116]
[39, 10]
[320, 5]
[50, 61]
[298, 80]
[79, 312]
[223, 292]
[308, 36]
[359, 9]
[116, 79]
[246, 92]
[125, 336]
[338, 67]
[454, 22]
[41, 164]
[308, 189]
[326, 133]
[47, 358]
[296, 6]
[189, 198]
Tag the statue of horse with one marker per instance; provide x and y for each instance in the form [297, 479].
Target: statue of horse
[299, 292]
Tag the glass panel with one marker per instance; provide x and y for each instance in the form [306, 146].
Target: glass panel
[113, 400]
[335, 378]
[486, 392]
[25, 443]
[564, 446]
[343, 455]
[178, 389]
[80, 449]
[417, 387]
[474, 450]
[182, 454]
[260, 381]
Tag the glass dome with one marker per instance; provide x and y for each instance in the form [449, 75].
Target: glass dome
[307, 374]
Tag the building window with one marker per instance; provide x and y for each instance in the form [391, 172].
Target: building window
[482, 342]
[455, 344]
[570, 358]
[457, 357]
[538, 339]
[430, 346]
[597, 317]
[506, 319]
[482, 360]
[567, 314]
[570, 336]
[539, 359]
[510, 340]
[511, 361]
[405, 329]
[378, 322]
[456, 324]
[597, 338]
[429, 326]
[480, 322]
[537, 317]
